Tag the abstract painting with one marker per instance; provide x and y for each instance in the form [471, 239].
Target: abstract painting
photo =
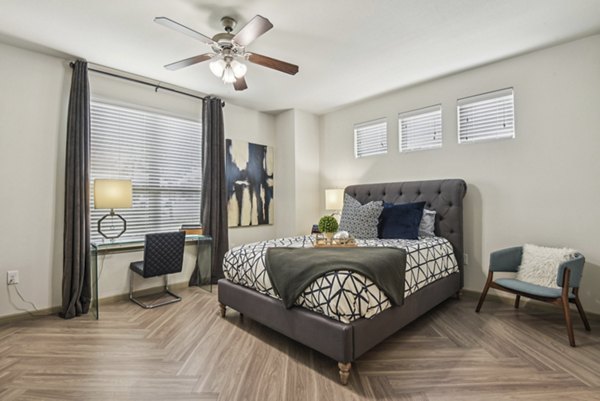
[249, 174]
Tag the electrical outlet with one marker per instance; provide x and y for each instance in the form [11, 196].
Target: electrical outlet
[466, 258]
[12, 277]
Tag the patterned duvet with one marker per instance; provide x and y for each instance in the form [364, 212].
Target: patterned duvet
[343, 295]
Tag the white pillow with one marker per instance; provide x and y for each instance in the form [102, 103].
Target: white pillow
[539, 264]
[427, 223]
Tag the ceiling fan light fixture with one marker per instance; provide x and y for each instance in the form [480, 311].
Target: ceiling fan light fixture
[228, 48]
[217, 67]
[228, 75]
[239, 69]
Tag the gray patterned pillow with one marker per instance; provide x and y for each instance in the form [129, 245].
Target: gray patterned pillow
[360, 220]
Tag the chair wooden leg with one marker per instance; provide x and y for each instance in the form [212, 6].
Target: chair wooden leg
[569, 323]
[580, 309]
[485, 291]
[566, 309]
[517, 299]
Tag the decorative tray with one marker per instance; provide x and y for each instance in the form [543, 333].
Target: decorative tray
[323, 242]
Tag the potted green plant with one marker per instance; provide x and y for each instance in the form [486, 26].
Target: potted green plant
[328, 225]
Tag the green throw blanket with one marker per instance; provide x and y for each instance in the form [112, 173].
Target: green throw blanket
[291, 270]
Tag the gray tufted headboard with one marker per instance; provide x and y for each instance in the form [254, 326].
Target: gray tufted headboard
[443, 196]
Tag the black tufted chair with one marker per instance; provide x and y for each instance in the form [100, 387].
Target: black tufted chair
[163, 255]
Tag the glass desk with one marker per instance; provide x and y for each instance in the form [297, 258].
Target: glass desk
[203, 260]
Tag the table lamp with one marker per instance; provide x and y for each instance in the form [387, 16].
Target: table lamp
[334, 200]
[112, 194]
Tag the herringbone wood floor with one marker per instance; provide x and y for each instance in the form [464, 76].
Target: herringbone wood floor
[185, 351]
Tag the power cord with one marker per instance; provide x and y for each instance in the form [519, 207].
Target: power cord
[35, 308]
[10, 300]
[24, 300]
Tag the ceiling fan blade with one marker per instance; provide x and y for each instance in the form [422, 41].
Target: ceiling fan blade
[176, 26]
[275, 64]
[189, 61]
[252, 30]
[240, 84]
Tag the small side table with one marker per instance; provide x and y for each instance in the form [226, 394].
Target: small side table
[203, 261]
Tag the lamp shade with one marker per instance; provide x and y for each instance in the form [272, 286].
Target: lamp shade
[217, 67]
[334, 199]
[239, 69]
[112, 194]
[228, 75]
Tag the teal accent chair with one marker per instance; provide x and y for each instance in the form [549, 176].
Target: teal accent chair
[568, 278]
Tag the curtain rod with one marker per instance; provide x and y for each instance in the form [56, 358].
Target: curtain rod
[139, 81]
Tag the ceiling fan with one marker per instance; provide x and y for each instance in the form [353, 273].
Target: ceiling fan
[229, 50]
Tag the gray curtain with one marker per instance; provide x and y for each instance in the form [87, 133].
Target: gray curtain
[76, 286]
[214, 195]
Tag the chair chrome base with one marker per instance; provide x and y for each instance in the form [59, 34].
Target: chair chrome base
[176, 298]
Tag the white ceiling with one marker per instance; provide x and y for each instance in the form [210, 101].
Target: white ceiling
[347, 50]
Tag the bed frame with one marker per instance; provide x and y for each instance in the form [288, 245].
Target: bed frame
[346, 342]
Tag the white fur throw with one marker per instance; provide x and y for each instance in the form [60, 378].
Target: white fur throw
[539, 264]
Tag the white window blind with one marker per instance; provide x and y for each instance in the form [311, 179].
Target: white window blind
[421, 129]
[160, 154]
[370, 138]
[487, 116]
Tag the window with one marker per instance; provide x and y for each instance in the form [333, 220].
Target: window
[370, 138]
[160, 154]
[487, 116]
[421, 129]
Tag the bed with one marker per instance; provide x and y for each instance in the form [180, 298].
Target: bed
[346, 336]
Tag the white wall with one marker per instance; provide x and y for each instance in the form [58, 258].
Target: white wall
[33, 101]
[255, 127]
[307, 169]
[298, 157]
[285, 158]
[541, 187]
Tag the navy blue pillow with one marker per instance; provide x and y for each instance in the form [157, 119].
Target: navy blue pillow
[400, 221]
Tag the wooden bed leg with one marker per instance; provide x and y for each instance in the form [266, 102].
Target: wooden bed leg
[222, 309]
[457, 295]
[344, 371]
